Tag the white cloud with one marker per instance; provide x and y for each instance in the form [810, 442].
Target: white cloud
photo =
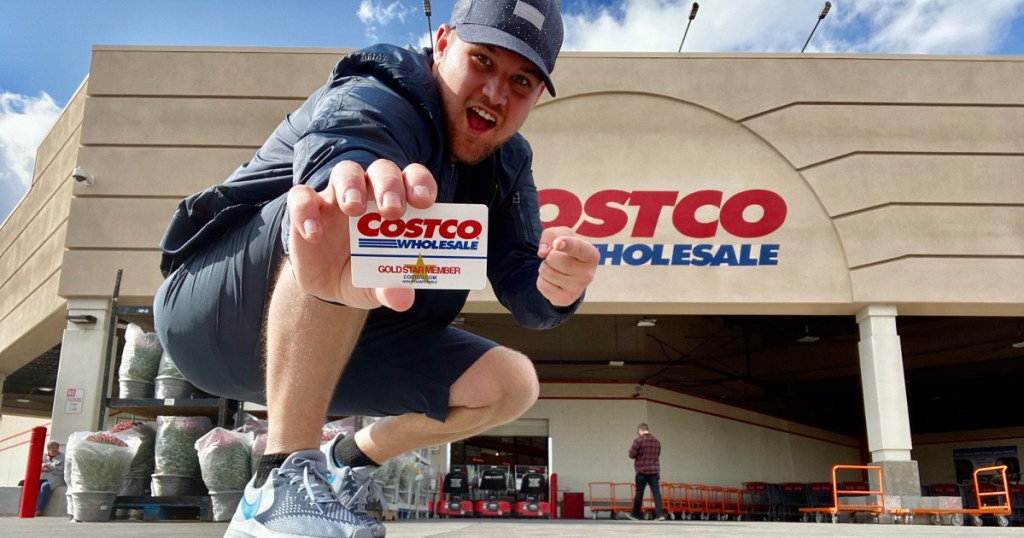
[658, 26]
[425, 41]
[24, 121]
[374, 14]
[885, 26]
[931, 27]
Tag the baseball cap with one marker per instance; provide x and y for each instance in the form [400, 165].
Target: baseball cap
[529, 28]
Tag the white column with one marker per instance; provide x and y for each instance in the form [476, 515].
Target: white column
[885, 394]
[77, 398]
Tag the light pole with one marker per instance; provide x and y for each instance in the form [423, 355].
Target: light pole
[430, 28]
[824, 11]
[693, 15]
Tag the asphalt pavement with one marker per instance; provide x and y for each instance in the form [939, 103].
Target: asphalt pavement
[52, 527]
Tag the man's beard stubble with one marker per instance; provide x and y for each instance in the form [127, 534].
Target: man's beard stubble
[459, 141]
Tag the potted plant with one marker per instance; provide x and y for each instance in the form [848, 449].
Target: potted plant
[101, 462]
[224, 461]
[137, 480]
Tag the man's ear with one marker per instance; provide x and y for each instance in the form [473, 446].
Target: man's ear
[441, 41]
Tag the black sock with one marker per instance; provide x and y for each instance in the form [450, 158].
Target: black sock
[347, 453]
[268, 462]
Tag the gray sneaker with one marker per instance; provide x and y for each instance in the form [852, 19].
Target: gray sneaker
[295, 501]
[354, 487]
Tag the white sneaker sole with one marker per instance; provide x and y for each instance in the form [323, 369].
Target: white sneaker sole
[252, 529]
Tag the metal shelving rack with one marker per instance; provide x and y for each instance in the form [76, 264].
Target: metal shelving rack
[219, 410]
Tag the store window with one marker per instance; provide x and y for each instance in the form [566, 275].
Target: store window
[504, 450]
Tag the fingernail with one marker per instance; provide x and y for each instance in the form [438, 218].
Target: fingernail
[310, 226]
[352, 196]
[420, 191]
[391, 201]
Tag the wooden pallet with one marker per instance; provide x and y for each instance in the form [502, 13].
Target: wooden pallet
[182, 508]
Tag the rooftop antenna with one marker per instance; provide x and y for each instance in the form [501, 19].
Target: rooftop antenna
[430, 27]
[824, 11]
[693, 15]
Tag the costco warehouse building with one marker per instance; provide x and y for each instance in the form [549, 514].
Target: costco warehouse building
[806, 259]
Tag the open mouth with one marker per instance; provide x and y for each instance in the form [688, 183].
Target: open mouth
[479, 119]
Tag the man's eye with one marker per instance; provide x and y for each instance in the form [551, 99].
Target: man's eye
[522, 81]
[483, 59]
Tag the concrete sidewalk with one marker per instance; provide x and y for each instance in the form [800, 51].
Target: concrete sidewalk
[442, 528]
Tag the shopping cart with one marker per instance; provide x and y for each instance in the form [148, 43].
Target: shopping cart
[758, 500]
[944, 490]
[794, 497]
[668, 501]
[1017, 504]
[689, 501]
[819, 495]
[732, 503]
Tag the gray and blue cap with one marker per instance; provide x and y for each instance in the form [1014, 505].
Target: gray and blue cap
[529, 28]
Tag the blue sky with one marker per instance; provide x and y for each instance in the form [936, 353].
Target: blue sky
[46, 44]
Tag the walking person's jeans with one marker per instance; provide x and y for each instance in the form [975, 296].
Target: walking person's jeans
[642, 481]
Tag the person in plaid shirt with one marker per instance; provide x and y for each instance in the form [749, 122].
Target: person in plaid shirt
[645, 454]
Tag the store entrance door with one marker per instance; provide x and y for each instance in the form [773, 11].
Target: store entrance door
[522, 442]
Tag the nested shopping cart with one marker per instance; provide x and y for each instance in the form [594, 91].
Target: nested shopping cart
[688, 501]
[760, 501]
[794, 497]
[670, 504]
[819, 495]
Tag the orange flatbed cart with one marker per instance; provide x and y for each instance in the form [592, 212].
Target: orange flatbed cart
[1000, 511]
[833, 511]
[612, 497]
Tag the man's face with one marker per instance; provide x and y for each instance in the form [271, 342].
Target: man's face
[486, 92]
[53, 449]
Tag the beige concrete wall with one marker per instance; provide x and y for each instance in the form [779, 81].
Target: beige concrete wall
[704, 442]
[160, 125]
[32, 246]
[15, 433]
[899, 173]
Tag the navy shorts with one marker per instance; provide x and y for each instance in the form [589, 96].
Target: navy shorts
[210, 311]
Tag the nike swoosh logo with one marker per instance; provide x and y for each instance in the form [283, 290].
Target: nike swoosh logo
[249, 508]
